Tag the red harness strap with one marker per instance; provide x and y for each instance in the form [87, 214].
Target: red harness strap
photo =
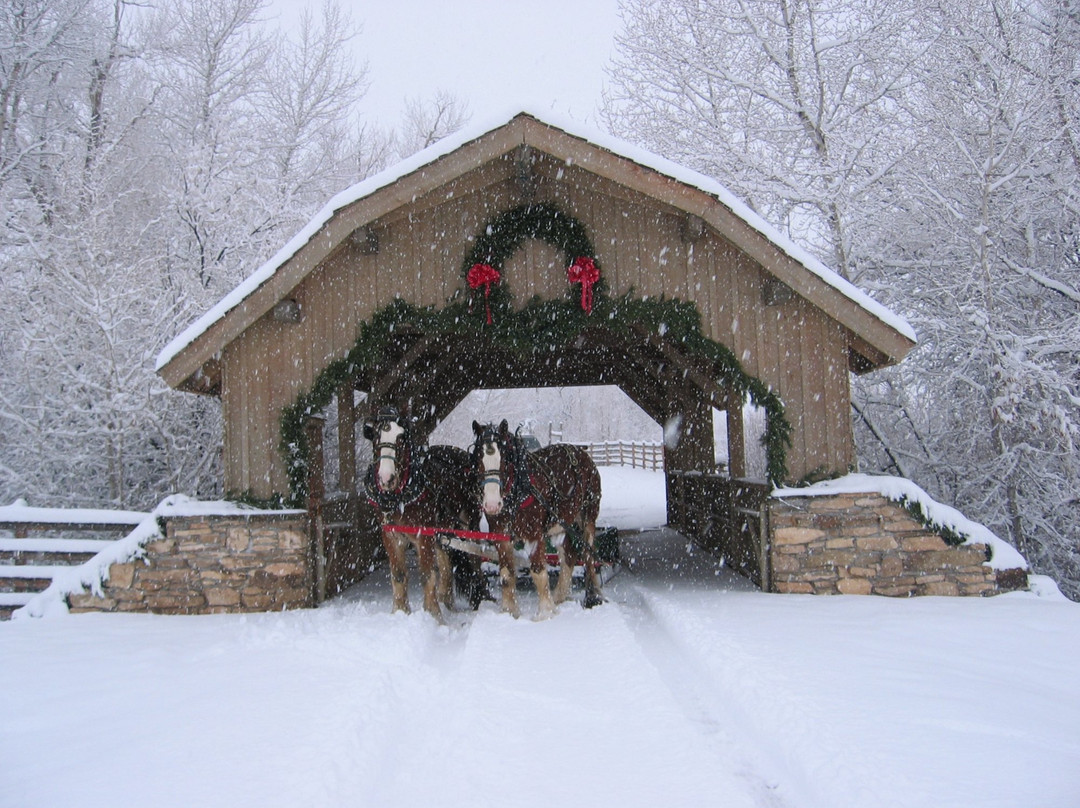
[439, 531]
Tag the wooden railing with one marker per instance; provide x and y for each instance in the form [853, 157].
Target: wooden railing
[726, 516]
[637, 454]
[45, 539]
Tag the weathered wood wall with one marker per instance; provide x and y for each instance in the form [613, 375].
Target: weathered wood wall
[641, 244]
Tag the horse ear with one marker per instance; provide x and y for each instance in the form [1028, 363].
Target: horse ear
[369, 430]
[476, 428]
[504, 427]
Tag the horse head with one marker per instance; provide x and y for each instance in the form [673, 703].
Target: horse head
[491, 452]
[388, 433]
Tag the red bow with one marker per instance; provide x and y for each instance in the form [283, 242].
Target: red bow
[584, 271]
[483, 275]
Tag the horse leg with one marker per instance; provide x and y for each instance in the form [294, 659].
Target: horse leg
[566, 570]
[508, 576]
[538, 572]
[425, 550]
[445, 576]
[395, 545]
[593, 595]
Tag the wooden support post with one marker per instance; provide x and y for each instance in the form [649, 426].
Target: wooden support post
[736, 438]
[693, 451]
[673, 491]
[316, 493]
[346, 439]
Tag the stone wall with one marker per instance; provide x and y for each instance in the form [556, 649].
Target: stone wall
[211, 564]
[867, 544]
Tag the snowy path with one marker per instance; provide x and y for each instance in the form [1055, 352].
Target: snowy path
[551, 704]
[707, 708]
[688, 688]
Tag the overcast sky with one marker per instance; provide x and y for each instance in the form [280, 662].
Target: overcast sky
[544, 55]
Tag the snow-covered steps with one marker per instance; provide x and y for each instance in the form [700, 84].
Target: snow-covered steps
[28, 563]
[20, 582]
[50, 551]
[27, 579]
[24, 571]
[10, 601]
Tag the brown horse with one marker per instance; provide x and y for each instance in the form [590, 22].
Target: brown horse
[413, 486]
[553, 493]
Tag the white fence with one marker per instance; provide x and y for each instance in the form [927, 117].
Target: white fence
[637, 454]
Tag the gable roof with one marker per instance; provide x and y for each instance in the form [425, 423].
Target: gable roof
[884, 336]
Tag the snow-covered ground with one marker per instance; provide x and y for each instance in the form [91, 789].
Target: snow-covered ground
[689, 688]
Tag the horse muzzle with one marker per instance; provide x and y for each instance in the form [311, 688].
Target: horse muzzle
[493, 507]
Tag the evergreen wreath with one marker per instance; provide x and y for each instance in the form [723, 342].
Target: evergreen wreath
[501, 237]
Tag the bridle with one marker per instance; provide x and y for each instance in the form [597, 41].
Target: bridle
[410, 485]
[512, 475]
[488, 442]
[384, 449]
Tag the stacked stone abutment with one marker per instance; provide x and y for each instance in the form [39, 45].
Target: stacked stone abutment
[867, 544]
[212, 564]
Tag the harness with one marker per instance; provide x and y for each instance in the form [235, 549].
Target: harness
[516, 487]
[411, 483]
[520, 489]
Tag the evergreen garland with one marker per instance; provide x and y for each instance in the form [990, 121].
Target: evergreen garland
[540, 327]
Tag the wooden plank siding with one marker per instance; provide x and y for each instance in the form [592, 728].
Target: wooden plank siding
[419, 259]
[642, 245]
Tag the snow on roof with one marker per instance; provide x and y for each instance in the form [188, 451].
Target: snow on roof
[1003, 555]
[488, 124]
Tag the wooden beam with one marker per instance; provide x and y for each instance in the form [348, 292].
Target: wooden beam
[397, 369]
[716, 393]
[346, 438]
[736, 441]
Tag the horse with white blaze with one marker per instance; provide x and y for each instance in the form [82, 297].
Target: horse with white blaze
[415, 489]
[551, 493]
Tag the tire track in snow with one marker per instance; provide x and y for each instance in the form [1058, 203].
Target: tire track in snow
[705, 704]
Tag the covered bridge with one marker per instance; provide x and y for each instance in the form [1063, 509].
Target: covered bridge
[528, 254]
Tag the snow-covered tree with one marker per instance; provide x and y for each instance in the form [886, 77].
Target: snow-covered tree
[792, 103]
[303, 112]
[429, 120]
[929, 153]
[137, 181]
[986, 248]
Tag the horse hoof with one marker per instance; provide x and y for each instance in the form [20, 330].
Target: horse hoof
[478, 596]
[592, 599]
